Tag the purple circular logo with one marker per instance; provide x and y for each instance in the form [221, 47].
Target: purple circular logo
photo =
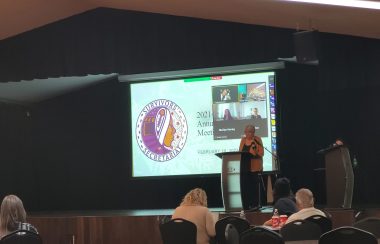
[161, 130]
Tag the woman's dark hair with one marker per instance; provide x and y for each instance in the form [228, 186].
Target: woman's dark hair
[281, 189]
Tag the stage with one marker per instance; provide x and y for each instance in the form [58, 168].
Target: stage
[135, 226]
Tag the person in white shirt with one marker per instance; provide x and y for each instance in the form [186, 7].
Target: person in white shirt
[305, 204]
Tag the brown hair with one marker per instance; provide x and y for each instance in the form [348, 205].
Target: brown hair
[11, 213]
[196, 196]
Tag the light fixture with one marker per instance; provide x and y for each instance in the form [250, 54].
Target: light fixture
[344, 3]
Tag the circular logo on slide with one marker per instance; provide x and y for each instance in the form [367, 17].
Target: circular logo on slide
[161, 130]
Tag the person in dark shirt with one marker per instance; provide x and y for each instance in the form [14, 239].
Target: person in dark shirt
[255, 114]
[13, 216]
[227, 115]
[283, 199]
[250, 179]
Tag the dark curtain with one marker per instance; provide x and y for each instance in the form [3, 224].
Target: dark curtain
[125, 42]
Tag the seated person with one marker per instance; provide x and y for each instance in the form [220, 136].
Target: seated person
[194, 209]
[227, 115]
[13, 216]
[305, 204]
[283, 199]
[225, 94]
[255, 114]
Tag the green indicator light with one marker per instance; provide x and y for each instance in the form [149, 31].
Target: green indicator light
[197, 79]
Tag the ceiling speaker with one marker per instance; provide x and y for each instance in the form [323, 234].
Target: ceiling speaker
[306, 46]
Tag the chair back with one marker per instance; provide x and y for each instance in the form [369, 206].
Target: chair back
[231, 234]
[300, 230]
[324, 223]
[21, 237]
[260, 235]
[178, 231]
[370, 224]
[220, 227]
[327, 213]
[347, 235]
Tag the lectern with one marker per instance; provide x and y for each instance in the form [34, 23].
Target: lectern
[234, 165]
[339, 177]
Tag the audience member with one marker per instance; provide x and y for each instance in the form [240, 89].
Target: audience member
[13, 216]
[305, 204]
[194, 208]
[283, 199]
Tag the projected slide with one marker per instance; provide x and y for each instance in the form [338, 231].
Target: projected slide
[179, 124]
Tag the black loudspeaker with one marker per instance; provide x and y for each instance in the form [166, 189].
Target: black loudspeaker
[306, 46]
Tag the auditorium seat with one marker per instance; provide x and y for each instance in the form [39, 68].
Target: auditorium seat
[178, 231]
[300, 230]
[220, 227]
[347, 235]
[21, 237]
[324, 223]
[232, 235]
[260, 235]
[370, 224]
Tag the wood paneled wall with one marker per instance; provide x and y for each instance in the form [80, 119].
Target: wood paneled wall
[130, 229]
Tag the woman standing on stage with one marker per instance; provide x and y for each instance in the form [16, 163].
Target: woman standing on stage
[250, 181]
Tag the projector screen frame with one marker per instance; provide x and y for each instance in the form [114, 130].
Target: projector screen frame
[193, 73]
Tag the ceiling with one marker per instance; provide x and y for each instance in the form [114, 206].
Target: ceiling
[18, 16]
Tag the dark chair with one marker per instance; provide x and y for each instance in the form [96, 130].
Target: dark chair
[327, 213]
[324, 223]
[347, 235]
[370, 224]
[300, 230]
[260, 235]
[178, 231]
[231, 234]
[373, 212]
[220, 227]
[21, 237]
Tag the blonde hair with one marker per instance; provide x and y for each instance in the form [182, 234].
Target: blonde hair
[11, 213]
[305, 198]
[196, 196]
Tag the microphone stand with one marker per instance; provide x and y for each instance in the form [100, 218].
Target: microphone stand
[275, 161]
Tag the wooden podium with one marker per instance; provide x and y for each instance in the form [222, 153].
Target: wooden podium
[234, 165]
[339, 177]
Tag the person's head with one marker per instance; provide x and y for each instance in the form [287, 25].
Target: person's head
[339, 142]
[11, 213]
[255, 111]
[304, 198]
[249, 131]
[281, 188]
[196, 196]
[224, 92]
[227, 114]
